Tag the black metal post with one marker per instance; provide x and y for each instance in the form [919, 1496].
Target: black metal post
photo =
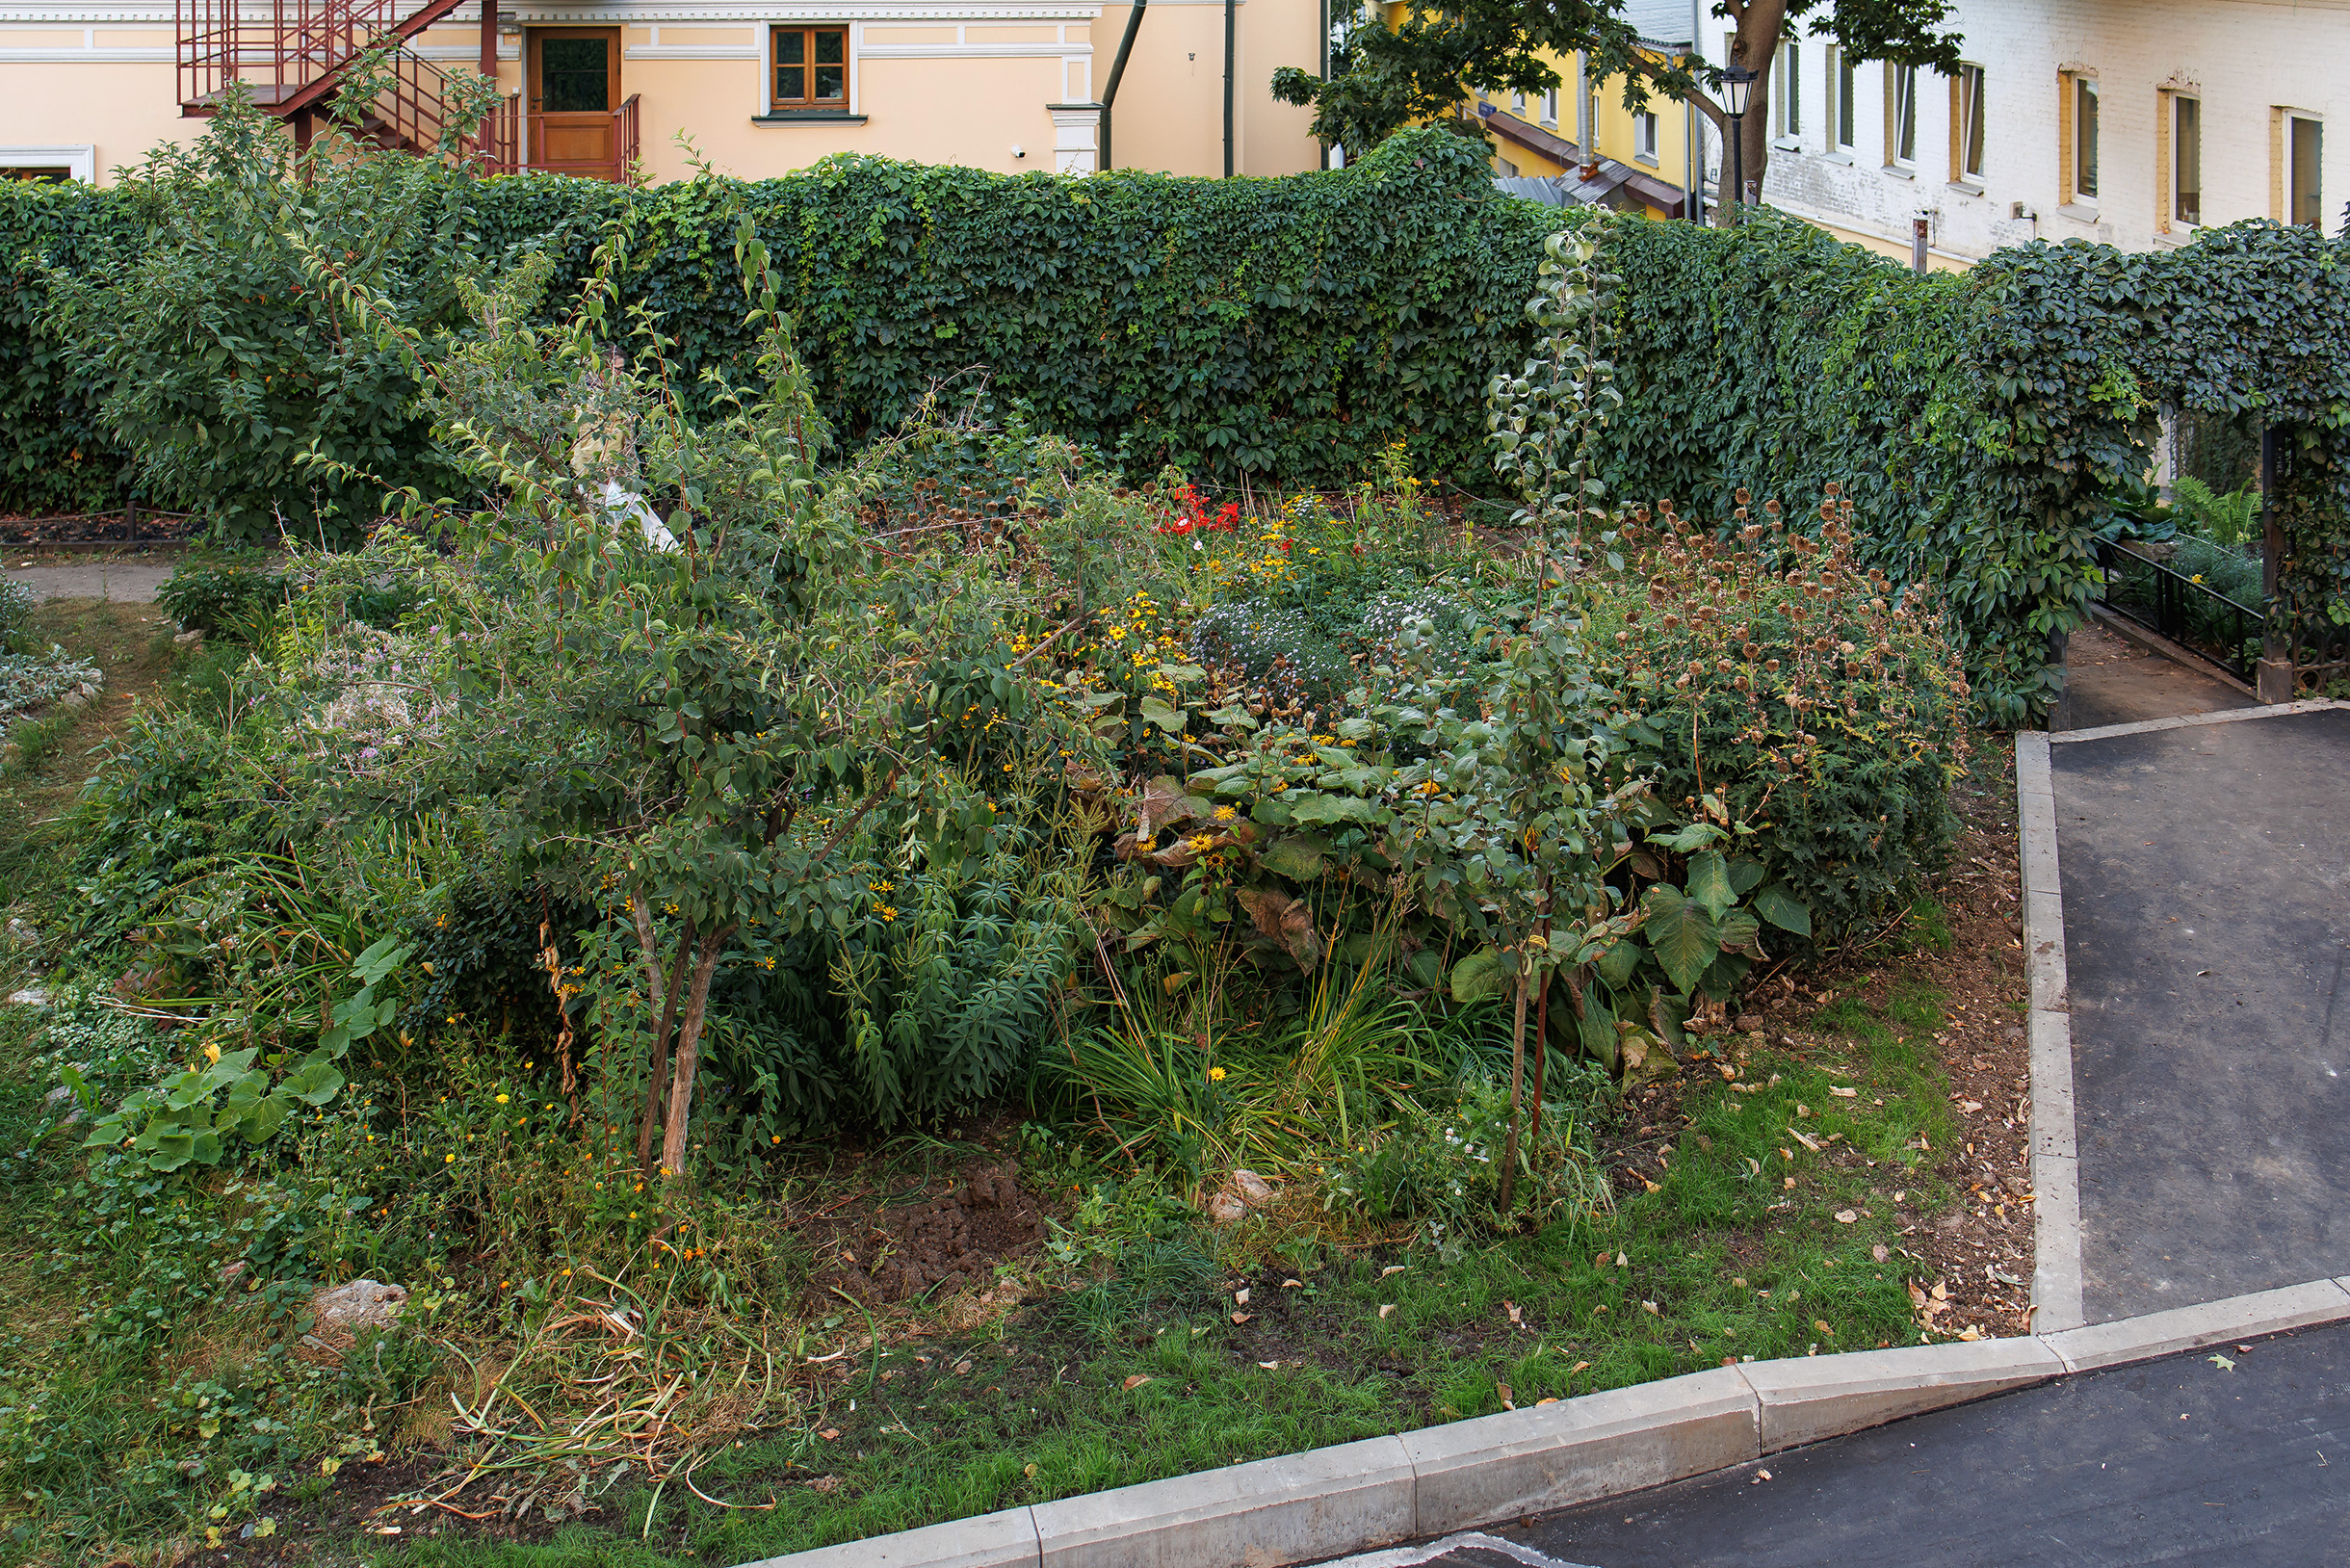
[1737, 166]
[1231, 11]
[1117, 69]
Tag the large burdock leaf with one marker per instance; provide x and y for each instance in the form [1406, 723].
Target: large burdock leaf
[1681, 934]
[1480, 975]
[1710, 883]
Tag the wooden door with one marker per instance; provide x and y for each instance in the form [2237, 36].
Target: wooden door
[575, 86]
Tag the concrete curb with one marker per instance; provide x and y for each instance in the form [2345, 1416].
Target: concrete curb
[2231, 716]
[2057, 1279]
[1365, 1496]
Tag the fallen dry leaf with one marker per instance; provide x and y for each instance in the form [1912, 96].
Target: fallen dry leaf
[1846, 1216]
[825, 1483]
[830, 1434]
[1821, 1323]
[1581, 1366]
[1386, 1307]
[1969, 1106]
[1517, 1317]
[1879, 1253]
[1239, 1318]
[1507, 1403]
[1649, 1307]
[1391, 1268]
[1803, 1139]
[1240, 1298]
[1292, 1284]
[1939, 1293]
[1970, 1332]
[1270, 1366]
[1623, 1262]
[1843, 1094]
[1136, 1381]
[1539, 1404]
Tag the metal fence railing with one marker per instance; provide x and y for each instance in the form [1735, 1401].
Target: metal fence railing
[2171, 603]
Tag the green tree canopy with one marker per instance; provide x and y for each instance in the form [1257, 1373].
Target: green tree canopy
[1417, 69]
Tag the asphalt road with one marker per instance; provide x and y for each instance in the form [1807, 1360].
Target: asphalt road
[2182, 1461]
[2206, 913]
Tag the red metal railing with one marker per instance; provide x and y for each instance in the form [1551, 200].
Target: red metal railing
[624, 141]
[496, 148]
[289, 54]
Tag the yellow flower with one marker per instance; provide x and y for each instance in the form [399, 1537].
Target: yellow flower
[1202, 842]
[1215, 1075]
[886, 912]
[448, 1158]
[1225, 814]
[502, 1098]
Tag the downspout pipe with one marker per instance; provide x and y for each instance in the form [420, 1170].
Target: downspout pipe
[1231, 7]
[1117, 69]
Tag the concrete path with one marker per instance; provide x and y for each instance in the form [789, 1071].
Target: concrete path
[2111, 679]
[133, 579]
[2205, 874]
[2181, 1461]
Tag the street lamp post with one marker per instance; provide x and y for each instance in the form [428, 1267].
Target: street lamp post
[1737, 89]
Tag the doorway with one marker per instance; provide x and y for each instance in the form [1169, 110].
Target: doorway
[575, 87]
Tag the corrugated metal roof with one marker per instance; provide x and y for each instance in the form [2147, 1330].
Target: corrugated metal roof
[1664, 22]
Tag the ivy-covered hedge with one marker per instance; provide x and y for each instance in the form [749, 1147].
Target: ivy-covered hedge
[1288, 329]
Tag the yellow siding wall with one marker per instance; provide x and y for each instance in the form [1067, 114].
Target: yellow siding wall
[124, 108]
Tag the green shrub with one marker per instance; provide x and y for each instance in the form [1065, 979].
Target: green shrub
[1821, 707]
[2230, 519]
[230, 593]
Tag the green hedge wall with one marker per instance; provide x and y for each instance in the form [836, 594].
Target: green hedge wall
[1287, 330]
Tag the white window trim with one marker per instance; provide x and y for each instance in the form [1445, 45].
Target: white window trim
[80, 163]
[1895, 162]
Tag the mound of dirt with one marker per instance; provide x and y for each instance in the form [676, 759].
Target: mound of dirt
[944, 1245]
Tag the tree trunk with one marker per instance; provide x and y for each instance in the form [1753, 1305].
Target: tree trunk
[1517, 1081]
[689, 1055]
[657, 1068]
[1756, 47]
[1542, 1057]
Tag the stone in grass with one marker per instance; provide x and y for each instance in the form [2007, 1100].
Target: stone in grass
[1241, 1192]
[341, 1310]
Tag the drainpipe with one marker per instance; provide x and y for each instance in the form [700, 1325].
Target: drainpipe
[1230, 7]
[1117, 69]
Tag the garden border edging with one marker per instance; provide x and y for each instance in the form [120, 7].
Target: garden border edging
[1383, 1491]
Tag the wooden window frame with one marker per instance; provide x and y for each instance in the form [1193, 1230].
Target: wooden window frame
[1900, 114]
[1786, 93]
[809, 107]
[1966, 127]
[2073, 87]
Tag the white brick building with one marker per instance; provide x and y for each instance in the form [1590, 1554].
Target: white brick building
[2126, 121]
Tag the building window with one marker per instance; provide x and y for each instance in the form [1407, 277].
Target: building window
[811, 70]
[1644, 135]
[2186, 159]
[2084, 136]
[1550, 106]
[1967, 125]
[1787, 91]
[1900, 114]
[1840, 99]
[2304, 199]
[1517, 103]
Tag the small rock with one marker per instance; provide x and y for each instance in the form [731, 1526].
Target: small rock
[31, 995]
[1224, 1209]
[2016, 1184]
[1253, 1189]
[2013, 1031]
[363, 1303]
[57, 1096]
[1749, 1023]
[194, 637]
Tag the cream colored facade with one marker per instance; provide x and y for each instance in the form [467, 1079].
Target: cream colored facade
[90, 86]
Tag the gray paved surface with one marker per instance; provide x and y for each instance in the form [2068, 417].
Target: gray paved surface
[2097, 1470]
[2110, 680]
[2206, 904]
[60, 577]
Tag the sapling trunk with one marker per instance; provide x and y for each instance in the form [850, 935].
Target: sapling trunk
[689, 1055]
[1542, 1057]
[664, 999]
[1517, 1080]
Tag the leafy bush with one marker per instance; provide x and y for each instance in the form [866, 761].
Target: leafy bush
[1820, 707]
[2232, 519]
[230, 593]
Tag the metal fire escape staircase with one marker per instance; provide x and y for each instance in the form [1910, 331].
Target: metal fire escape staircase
[294, 58]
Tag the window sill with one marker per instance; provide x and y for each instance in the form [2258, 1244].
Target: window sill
[808, 120]
[1900, 171]
[2080, 212]
[1972, 188]
[1786, 143]
[1647, 158]
[1836, 155]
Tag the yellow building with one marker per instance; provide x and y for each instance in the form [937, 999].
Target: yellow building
[760, 88]
[1586, 145]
